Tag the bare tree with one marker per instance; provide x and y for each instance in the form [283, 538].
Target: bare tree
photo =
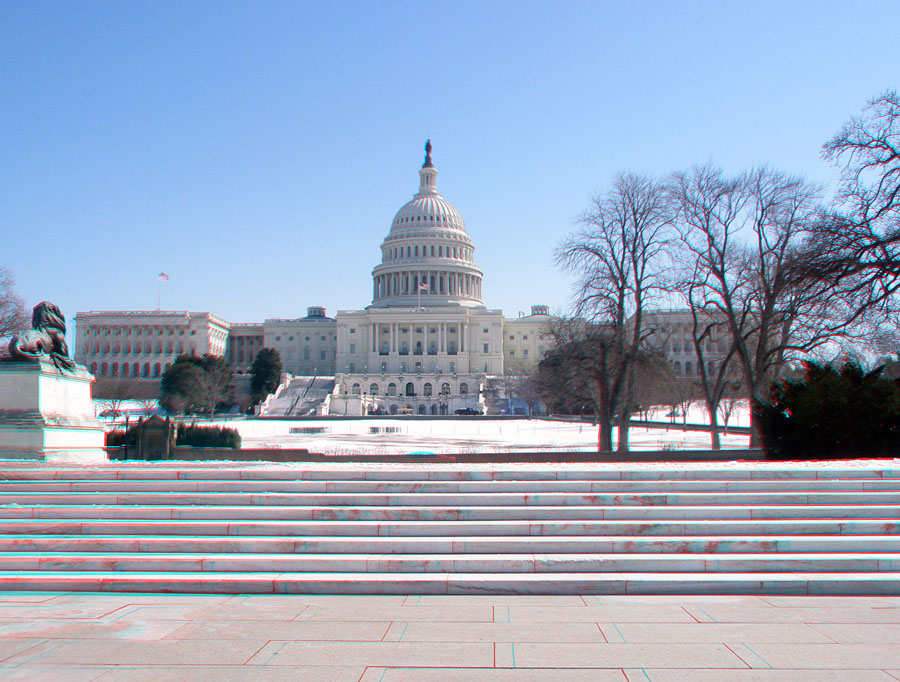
[560, 381]
[743, 238]
[521, 382]
[715, 351]
[13, 316]
[618, 256]
[856, 246]
[148, 406]
[728, 408]
[215, 386]
[114, 392]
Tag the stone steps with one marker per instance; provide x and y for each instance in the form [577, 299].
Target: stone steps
[189, 512]
[415, 500]
[454, 487]
[451, 529]
[449, 563]
[430, 472]
[780, 583]
[673, 544]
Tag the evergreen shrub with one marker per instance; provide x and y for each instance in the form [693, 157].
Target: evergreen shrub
[207, 436]
[832, 412]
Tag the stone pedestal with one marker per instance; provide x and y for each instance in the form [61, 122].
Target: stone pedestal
[47, 414]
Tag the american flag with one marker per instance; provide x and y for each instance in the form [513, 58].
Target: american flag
[163, 277]
[423, 286]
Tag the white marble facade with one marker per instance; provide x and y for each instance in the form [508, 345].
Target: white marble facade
[144, 344]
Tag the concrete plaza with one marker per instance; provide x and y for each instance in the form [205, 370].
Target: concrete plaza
[106, 637]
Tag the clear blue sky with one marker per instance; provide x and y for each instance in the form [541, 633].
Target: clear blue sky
[257, 151]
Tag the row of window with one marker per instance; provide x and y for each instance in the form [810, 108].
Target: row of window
[409, 389]
[305, 338]
[441, 218]
[138, 349]
[125, 369]
[306, 354]
[118, 332]
[711, 367]
[413, 252]
[351, 368]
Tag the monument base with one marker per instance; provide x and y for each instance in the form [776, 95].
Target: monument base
[47, 414]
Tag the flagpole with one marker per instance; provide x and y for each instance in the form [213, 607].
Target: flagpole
[158, 292]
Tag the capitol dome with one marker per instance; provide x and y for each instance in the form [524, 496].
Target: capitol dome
[427, 257]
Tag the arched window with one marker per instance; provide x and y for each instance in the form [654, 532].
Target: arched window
[115, 369]
[104, 370]
[385, 348]
[145, 370]
[451, 347]
[688, 369]
[418, 347]
[464, 388]
[677, 368]
[356, 389]
[422, 409]
[373, 389]
[135, 370]
[392, 389]
[432, 349]
[404, 348]
[93, 368]
[156, 369]
[427, 389]
[394, 409]
[410, 388]
[434, 408]
[445, 388]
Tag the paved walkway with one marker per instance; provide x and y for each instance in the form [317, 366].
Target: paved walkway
[83, 636]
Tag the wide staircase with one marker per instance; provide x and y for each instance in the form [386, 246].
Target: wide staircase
[450, 528]
[300, 397]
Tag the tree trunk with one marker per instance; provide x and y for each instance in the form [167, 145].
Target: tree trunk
[755, 438]
[713, 409]
[624, 421]
[605, 425]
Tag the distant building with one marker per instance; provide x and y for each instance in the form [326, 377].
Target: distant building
[672, 333]
[142, 344]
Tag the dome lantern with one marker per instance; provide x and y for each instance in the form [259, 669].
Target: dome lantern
[427, 250]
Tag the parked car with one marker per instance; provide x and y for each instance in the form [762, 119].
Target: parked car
[468, 411]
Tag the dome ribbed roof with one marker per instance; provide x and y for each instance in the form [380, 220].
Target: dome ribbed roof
[427, 209]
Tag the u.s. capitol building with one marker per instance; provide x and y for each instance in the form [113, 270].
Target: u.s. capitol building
[426, 344]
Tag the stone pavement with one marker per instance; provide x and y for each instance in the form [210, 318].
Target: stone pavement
[87, 636]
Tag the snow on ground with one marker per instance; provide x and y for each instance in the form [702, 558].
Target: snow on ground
[451, 435]
[441, 436]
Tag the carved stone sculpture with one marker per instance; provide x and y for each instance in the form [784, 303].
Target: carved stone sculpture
[45, 340]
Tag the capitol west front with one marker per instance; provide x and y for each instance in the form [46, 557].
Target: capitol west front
[426, 344]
